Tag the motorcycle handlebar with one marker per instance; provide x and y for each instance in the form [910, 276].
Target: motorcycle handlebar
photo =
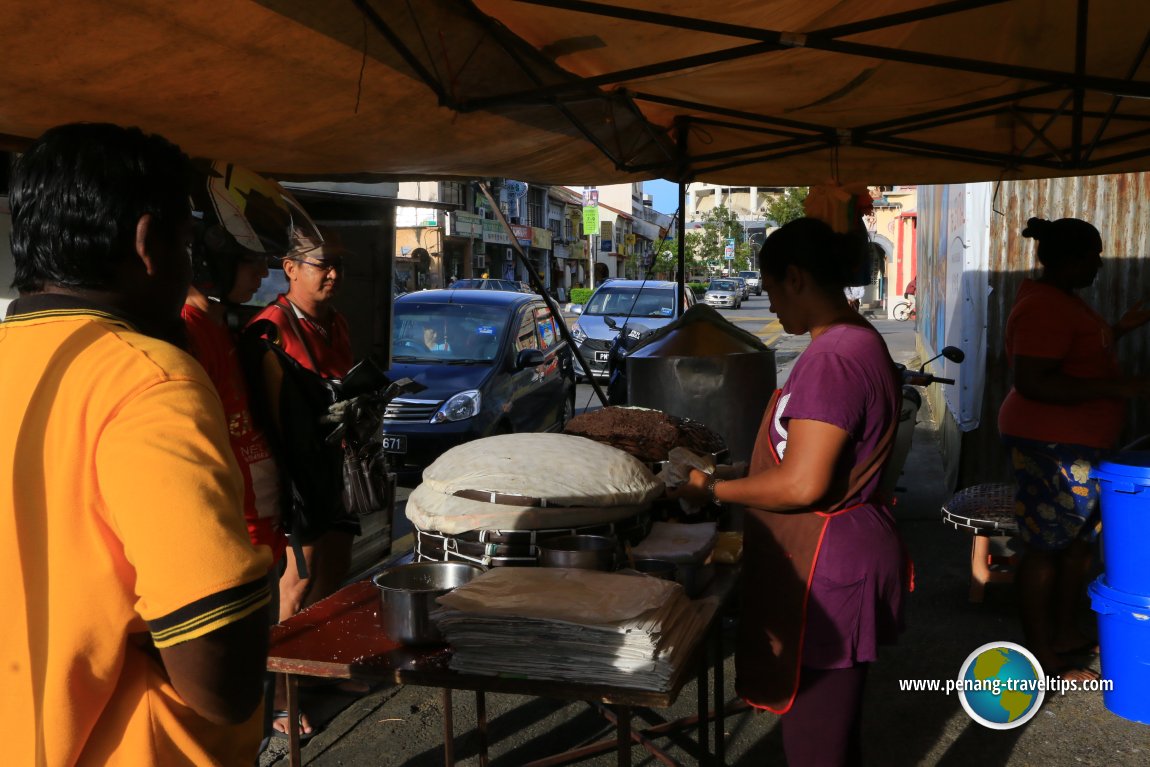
[916, 378]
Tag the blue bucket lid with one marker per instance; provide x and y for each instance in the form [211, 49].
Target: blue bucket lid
[1100, 593]
[1131, 464]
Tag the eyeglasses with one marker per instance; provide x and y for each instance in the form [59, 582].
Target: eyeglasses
[326, 265]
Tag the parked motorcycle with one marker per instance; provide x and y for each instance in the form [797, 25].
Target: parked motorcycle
[369, 477]
[626, 338]
[908, 415]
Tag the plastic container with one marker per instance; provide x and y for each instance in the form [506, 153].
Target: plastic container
[1124, 639]
[1124, 482]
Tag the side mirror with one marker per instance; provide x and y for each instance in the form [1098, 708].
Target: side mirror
[954, 354]
[576, 308]
[528, 358]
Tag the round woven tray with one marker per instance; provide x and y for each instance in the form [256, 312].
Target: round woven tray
[982, 509]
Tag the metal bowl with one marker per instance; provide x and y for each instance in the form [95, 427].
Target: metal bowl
[585, 552]
[408, 592]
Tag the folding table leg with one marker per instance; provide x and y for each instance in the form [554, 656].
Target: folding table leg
[720, 700]
[292, 685]
[702, 684]
[623, 731]
[448, 730]
[481, 725]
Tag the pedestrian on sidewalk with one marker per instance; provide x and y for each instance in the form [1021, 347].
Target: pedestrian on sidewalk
[1064, 412]
[824, 571]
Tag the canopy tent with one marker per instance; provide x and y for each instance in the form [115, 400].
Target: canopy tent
[786, 92]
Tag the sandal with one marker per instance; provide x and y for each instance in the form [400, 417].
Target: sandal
[1074, 673]
[302, 721]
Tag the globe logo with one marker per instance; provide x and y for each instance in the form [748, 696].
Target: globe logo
[1001, 685]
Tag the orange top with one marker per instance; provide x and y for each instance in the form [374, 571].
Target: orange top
[120, 530]
[214, 348]
[1051, 324]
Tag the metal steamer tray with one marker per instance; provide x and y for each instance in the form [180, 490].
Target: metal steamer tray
[515, 548]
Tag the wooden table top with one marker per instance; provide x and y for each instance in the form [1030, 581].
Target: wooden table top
[342, 637]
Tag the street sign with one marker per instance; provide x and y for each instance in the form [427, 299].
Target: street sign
[591, 219]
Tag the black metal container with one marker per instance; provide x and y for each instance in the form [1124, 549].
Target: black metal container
[704, 368]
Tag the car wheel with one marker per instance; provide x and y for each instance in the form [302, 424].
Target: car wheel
[568, 410]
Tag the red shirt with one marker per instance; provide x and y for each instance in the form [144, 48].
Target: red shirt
[1051, 324]
[330, 348]
[212, 345]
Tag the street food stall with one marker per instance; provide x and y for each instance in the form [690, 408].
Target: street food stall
[799, 93]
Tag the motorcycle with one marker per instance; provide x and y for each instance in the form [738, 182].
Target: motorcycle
[908, 415]
[626, 338]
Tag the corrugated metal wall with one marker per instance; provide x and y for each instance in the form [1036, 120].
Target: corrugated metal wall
[1119, 206]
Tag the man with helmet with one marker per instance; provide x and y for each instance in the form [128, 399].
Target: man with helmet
[242, 221]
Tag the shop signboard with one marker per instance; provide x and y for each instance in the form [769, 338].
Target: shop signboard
[541, 238]
[494, 232]
[464, 224]
[522, 234]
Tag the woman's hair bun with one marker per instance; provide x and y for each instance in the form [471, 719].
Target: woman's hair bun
[1036, 228]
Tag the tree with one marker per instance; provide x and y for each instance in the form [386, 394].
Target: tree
[717, 226]
[788, 206]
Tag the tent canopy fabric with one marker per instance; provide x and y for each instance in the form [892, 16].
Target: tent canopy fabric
[786, 92]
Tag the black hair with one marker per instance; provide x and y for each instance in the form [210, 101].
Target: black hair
[1063, 240]
[834, 260]
[77, 194]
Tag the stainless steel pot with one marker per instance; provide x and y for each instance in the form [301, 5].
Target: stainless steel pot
[408, 592]
[585, 552]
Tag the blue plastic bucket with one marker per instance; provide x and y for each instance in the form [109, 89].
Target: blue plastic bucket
[1124, 639]
[1124, 484]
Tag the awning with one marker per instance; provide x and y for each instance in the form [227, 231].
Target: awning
[570, 92]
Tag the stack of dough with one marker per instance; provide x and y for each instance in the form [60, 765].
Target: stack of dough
[530, 482]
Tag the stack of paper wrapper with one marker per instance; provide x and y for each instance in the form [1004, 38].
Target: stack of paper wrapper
[571, 625]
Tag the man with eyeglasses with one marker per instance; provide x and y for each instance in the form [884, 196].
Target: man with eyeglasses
[306, 347]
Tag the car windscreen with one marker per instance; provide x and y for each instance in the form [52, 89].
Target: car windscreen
[619, 300]
[721, 285]
[749, 275]
[447, 333]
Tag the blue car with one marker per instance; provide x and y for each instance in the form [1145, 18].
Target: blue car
[493, 362]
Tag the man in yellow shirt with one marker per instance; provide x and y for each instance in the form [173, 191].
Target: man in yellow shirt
[136, 628]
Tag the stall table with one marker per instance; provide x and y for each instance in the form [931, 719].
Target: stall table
[342, 637]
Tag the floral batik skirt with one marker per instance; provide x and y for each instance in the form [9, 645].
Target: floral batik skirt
[1056, 501]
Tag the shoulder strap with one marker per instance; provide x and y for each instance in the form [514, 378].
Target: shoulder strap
[293, 321]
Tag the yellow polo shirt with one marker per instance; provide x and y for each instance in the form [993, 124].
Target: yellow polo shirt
[120, 528]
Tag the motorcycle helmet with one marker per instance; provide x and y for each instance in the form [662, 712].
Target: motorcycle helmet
[240, 215]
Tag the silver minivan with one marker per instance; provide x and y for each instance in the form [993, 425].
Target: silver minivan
[650, 302]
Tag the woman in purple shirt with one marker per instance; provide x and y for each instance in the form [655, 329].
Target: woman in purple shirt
[824, 571]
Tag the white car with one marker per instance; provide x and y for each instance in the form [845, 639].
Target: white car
[754, 282]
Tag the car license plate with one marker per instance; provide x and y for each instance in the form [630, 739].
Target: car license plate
[600, 356]
[396, 443]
